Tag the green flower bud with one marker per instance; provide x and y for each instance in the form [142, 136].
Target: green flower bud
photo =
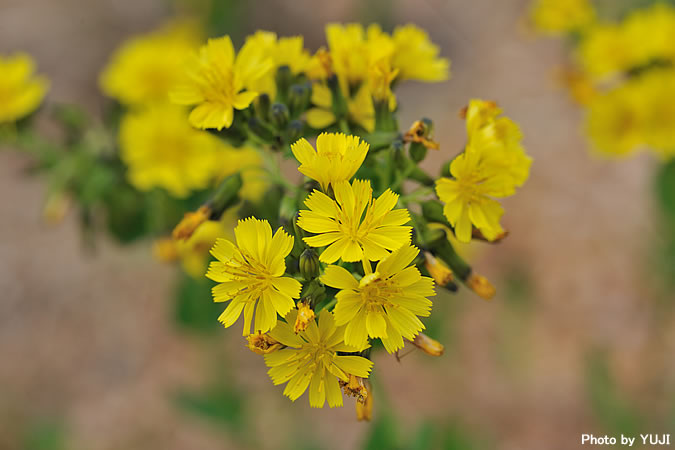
[226, 195]
[262, 107]
[294, 130]
[284, 78]
[261, 130]
[417, 151]
[309, 264]
[298, 98]
[279, 115]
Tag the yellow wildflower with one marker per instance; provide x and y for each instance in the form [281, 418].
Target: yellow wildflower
[561, 16]
[380, 78]
[337, 157]
[350, 52]
[217, 82]
[364, 411]
[305, 316]
[607, 50]
[656, 90]
[263, 344]
[493, 164]
[354, 226]
[441, 273]
[190, 222]
[21, 91]
[385, 304]
[146, 67]
[161, 149]
[416, 57]
[355, 387]
[311, 360]
[359, 108]
[251, 275]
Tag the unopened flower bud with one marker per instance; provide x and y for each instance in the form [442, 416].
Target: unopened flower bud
[298, 98]
[227, 194]
[261, 130]
[428, 345]
[481, 286]
[279, 114]
[262, 107]
[190, 222]
[441, 273]
[309, 264]
[305, 316]
[262, 343]
[294, 130]
[432, 210]
[284, 78]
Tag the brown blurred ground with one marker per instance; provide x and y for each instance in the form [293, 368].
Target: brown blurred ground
[90, 339]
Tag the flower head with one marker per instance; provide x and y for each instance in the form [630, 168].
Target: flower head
[161, 149]
[360, 110]
[493, 164]
[354, 226]
[144, 69]
[251, 275]
[217, 82]
[21, 91]
[416, 57]
[311, 360]
[337, 157]
[384, 304]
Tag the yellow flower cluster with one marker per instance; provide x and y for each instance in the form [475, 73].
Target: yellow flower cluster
[624, 75]
[492, 165]
[21, 91]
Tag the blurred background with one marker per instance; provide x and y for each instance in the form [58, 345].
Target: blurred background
[97, 354]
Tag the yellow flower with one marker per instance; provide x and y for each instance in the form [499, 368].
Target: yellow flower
[354, 226]
[493, 164]
[416, 57]
[350, 52]
[657, 93]
[262, 344]
[311, 360]
[21, 91]
[250, 274]
[467, 196]
[359, 108]
[380, 78]
[146, 67]
[337, 157]
[162, 150]
[385, 304]
[305, 316]
[561, 16]
[217, 82]
[606, 50]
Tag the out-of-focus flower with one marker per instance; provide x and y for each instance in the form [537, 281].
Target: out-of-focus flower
[428, 345]
[415, 57]
[561, 16]
[146, 67]
[21, 91]
[441, 273]
[481, 286]
[251, 275]
[354, 226]
[492, 166]
[380, 78]
[311, 360]
[579, 85]
[217, 82]
[337, 157]
[645, 36]
[384, 304]
[248, 162]
[161, 149]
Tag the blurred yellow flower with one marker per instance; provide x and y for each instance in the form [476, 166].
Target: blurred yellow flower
[561, 16]
[248, 162]
[251, 275]
[311, 360]
[193, 252]
[161, 149]
[645, 36]
[21, 91]
[354, 226]
[415, 57]
[384, 304]
[337, 157]
[146, 67]
[217, 82]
